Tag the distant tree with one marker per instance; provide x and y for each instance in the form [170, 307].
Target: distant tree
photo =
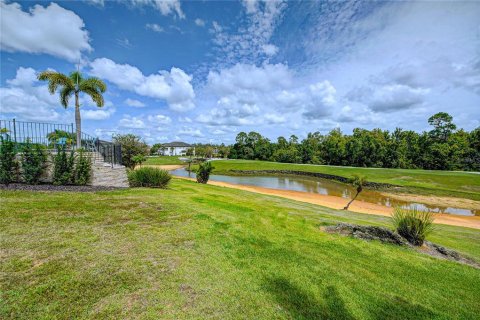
[155, 148]
[357, 182]
[74, 84]
[132, 146]
[443, 126]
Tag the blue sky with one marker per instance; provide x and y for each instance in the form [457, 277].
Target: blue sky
[202, 71]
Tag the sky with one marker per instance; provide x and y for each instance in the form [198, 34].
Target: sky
[202, 71]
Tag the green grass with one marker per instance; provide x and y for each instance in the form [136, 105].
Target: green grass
[442, 183]
[199, 251]
[162, 160]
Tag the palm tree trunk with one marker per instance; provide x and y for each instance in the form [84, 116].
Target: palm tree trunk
[78, 123]
[350, 202]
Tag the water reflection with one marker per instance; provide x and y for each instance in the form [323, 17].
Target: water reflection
[326, 187]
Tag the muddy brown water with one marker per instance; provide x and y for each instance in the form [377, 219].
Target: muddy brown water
[326, 187]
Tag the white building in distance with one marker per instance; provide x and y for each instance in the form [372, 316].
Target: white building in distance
[175, 148]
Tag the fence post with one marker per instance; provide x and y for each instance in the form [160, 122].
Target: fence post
[14, 131]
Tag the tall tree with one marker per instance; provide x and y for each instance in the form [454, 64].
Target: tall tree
[74, 84]
[442, 126]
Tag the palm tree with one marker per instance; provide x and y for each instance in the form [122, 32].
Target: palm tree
[73, 85]
[358, 182]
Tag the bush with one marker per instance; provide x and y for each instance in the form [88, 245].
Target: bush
[8, 165]
[83, 169]
[63, 167]
[149, 177]
[33, 162]
[203, 172]
[413, 224]
[132, 146]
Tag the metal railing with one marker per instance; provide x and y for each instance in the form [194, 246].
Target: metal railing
[53, 135]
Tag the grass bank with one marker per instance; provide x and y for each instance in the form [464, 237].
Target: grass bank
[163, 160]
[199, 251]
[441, 183]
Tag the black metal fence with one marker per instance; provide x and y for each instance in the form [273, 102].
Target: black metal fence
[53, 135]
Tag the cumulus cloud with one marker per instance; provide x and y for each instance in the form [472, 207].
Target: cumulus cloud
[199, 22]
[25, 99]
[134, 103]
[175, 86]
[166, 7]
[130, 122]
[252, 43]
[154, 27]
[159, 119]
[187, 131]
[50, 30]
[99, 114]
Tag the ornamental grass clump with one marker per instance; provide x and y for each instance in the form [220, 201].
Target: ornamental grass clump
[413, 224]
[149, 177]
[203, 172]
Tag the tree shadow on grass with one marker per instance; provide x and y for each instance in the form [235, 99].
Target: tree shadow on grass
[301, 305]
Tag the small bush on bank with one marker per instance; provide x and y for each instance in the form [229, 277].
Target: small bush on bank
[8, 164]
[149, 177]
[63, 167]
[413, 224]
[83, 169]
[203, 172]
[33, 162]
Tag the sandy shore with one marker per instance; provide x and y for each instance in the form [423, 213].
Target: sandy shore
[338, 203]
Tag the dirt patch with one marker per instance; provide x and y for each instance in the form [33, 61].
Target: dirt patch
[339, 203]
[53, 188]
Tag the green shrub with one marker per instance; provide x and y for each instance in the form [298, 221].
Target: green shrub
[33, 162]
[8, 164]
[83, 169]
[63, 167]
[203, 171]
[413, 224]
[149, 177]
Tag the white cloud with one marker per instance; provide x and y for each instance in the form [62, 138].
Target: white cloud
[159, 119]
[130, 122]
[134, 103]
[166, 7]
[270, 49]
[175, 86]
[25, 99]
[272, 118]
[50, 30]
[154, 27]
[199, 22]
[98, 114]
[187, 131]
[252, 43]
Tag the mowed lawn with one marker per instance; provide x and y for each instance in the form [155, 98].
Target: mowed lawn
[199, 251]
[163, 160]
[444, 183]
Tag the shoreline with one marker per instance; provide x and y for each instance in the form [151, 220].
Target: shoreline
[338, 203]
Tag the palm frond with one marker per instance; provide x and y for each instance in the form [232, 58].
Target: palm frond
[76, 77]
[95, 95]
[55, 79]
[65, 94]
[95, 83]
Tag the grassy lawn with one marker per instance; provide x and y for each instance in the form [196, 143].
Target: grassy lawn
[161, 160]
[443, 183]
[199, 251]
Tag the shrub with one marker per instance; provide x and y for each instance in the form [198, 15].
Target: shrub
[138, 159]
[33, 162]
[132, 146]
[203, 172]
[149, 177]
[413, 224]
[63, 167]
[8, 164]
[83, 169]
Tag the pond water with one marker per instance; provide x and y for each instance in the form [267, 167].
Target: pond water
[326, 187]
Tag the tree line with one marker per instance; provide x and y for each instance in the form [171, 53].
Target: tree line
[442, 148]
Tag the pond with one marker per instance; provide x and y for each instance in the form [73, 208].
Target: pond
[326, 187]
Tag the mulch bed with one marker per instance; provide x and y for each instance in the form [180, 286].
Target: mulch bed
[53, 188]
